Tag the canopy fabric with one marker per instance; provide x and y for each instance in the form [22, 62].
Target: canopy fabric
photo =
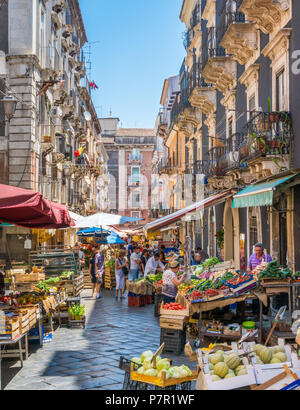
[101, 219]
[112, 240]
[260, 194]
[76, 218]
[29, 209]
[89, 232]
[170, 219]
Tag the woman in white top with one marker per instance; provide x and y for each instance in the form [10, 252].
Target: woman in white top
[171, 282]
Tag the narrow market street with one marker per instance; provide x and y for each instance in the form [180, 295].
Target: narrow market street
[87, 359]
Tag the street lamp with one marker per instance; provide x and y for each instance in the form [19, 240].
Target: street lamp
[9, 105]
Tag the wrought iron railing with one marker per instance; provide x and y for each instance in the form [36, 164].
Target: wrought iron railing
[211, 47]
[228, 17]
[265, 134]
[196, 79]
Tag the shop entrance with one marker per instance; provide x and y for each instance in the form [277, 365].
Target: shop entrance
[228, 234]
[283, 250]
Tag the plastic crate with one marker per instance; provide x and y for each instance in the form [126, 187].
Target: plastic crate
[174, 340]
[129, 384]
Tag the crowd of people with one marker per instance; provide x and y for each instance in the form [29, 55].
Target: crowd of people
[134, 261]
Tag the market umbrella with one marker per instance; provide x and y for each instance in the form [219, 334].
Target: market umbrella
[29, 209]
[112, 240]
[94, 232]
[101, 219]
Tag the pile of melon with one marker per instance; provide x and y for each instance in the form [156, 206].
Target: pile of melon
[269, 355]
[225, 366]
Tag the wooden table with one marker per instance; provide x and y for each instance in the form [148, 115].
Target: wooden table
[14, 353]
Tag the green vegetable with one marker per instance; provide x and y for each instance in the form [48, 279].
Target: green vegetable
[77, 310]
[274, 270]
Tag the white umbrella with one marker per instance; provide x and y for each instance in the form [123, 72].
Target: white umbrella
[101, 219]
[76, 218]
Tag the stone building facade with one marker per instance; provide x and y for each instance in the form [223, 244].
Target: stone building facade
[237, 109]
[130, 152]
[42, 64]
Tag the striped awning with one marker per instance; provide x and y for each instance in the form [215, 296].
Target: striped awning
[198, 206]
[260, 194]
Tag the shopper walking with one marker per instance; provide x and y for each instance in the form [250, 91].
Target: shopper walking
[135, 262]
[100, 269]
[92, 267]
[121, 265]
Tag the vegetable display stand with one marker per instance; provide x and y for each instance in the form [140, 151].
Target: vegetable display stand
[162, 382]
[77, 316]
[174, 340]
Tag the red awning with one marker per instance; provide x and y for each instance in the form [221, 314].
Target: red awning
[171, 219]
[29, 209]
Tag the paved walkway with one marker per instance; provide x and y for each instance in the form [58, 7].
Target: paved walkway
[80, 359]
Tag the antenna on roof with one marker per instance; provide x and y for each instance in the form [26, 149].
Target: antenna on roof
[110, 113]
[89, 53]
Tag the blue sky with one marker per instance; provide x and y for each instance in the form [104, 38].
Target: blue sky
[140, 44]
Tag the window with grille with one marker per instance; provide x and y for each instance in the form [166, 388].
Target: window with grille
[280, 91]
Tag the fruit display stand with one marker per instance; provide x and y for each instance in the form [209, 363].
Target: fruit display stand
[55, 261]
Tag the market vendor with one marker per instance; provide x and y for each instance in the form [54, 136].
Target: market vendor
[171, 282]
[154, 265]
[197, 261]
[258, 257]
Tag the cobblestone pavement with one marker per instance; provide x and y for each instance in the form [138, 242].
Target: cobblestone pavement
[87, 359]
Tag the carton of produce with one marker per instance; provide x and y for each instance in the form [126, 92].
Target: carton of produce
[224, 371]
[269, 362]
[174, 309]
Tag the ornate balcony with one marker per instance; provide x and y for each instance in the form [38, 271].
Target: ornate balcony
[263, 148]
[267, 14]
[219, 68]
[202, 95]
[164, 167]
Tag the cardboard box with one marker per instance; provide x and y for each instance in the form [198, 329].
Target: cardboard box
[265, 372]
[205, 381]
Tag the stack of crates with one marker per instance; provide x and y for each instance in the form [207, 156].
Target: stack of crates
[174, 340]
[109, 279]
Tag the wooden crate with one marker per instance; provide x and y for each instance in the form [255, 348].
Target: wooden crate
[274, 281]
[161, 381]
[178, 313]
[172, 322]
[31, 277]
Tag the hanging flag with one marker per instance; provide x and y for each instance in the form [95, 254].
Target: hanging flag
[94, 86]
[79, 152]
